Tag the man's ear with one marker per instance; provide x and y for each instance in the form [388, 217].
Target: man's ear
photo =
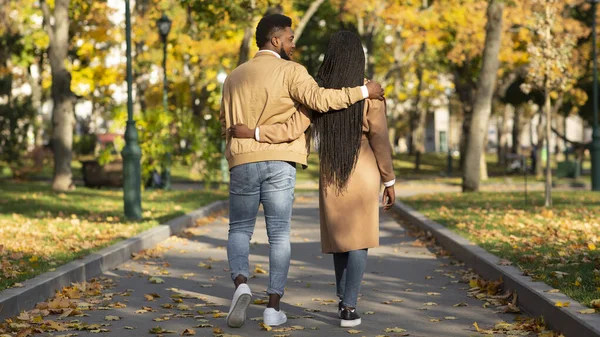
[275, 41]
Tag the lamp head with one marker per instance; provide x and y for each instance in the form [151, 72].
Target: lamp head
[164, 26]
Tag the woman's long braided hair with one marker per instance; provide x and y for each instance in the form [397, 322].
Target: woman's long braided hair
[338, 133]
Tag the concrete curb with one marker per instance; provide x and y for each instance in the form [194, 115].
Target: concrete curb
[533, 297]
[39, 288]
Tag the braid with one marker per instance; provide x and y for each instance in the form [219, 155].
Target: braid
[339, 133]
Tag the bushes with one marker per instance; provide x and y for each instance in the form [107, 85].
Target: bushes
[15, 124]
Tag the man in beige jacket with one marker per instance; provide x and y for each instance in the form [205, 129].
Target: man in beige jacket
[266, 90]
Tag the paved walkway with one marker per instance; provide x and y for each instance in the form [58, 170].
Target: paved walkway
[400, 273]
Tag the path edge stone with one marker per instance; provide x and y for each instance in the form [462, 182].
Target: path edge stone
[533, 297]
[43, 286]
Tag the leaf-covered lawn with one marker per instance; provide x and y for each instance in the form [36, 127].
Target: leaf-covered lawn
[41, 229]
[559, 246]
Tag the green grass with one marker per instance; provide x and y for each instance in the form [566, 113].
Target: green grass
[540, 241]
[41, 229]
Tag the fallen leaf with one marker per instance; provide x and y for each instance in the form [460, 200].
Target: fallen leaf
[433, 294]
[260, 302]
[562, 304]
[353, 331]
[265, 326]
[259, 270]
[394, 329]
[587, 311]
[450, 318]
[112, 318]
[188, 332]
[183, 307]
[369, 313]
[160, 330]
[156, 280]
[434, 320]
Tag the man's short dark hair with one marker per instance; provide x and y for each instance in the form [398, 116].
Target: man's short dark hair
[269, 25]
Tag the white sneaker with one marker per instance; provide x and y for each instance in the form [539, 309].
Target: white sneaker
[273, 317]
[240, 302]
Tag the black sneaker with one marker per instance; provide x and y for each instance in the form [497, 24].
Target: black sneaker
[349, 318]
[340, 307]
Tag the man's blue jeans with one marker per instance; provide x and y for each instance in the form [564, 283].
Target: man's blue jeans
[272, 184]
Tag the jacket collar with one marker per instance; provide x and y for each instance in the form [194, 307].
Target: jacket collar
[267, 52]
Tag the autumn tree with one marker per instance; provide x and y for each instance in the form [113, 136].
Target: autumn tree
[548, 69]
[56, 23]
[483, 98]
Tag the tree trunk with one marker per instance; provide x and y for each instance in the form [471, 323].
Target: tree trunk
[466, 125]
[483, 171]
[516, 131]
[482, 103]
[62, 113]
[539, 146]
[244, 54]
[312, 9]
[503, 131]
[245, 47]
[35, 81]
[418, 137]
[548, 189]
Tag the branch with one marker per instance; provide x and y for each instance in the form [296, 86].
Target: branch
[47, 18]
[307, 16]
[563, 137]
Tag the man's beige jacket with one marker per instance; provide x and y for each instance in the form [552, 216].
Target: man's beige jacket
[268, 90]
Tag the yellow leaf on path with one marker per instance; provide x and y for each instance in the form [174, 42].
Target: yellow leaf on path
[219, 315]
[591, 246]
[217, 330]
[434, 320]
[433, 294]
[297, 327]
[183, 307]
[394, 329]
[156, 280]
[562, 304]
[259, 270]
[461, 304]
[587, 311]
[265, 326]
[483, 331]
[112, 318]
[473, 283]
[430, 304]
[260, 302]
[353, 331]
[450, 317]
[188, 332]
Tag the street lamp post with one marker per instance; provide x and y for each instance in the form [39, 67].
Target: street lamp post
[595, 149]
[132, 181]
[221, 77]
[449, 156]
[164, 27]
